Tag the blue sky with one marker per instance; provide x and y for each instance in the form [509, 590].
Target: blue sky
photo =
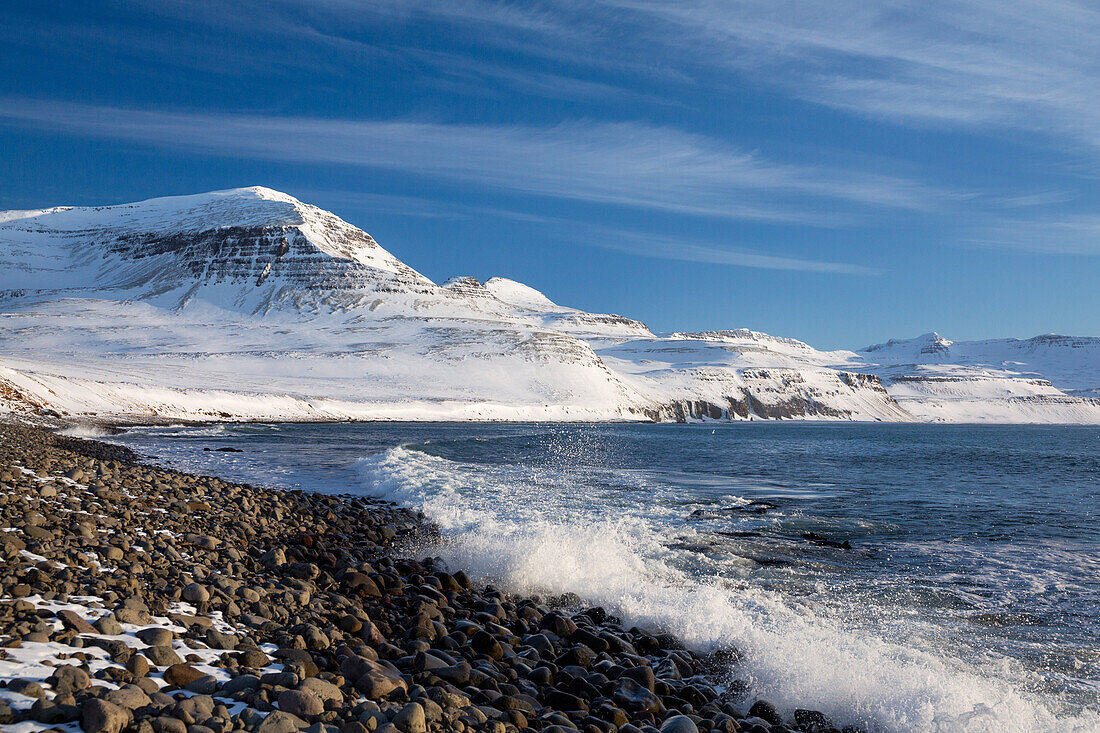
[840, 172]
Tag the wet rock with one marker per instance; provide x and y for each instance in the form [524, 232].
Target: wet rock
[765, 711]
[643, 675]
[811, 721]
[632, 696]
[679, 724]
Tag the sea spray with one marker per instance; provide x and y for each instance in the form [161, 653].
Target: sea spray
[526, 528]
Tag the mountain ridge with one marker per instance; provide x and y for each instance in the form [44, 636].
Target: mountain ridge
[250, 304]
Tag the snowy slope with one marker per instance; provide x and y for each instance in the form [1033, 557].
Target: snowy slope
[743, 374]
[249, 304]
[1047, 378]
[1071, 363]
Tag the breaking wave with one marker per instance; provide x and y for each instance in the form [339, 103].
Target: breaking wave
[536, 530]
[86, 431]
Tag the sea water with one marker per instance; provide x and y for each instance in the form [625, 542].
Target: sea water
[897, 577]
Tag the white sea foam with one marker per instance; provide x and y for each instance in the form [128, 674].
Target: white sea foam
[84, 431]
[527, 529]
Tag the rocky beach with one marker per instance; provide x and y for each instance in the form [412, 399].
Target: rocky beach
[138, 598]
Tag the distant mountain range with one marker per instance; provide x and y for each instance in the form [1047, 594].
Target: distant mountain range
[251, 305]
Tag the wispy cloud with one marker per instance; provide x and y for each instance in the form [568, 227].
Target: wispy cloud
[1071, 234]
[1024, 64]
[628, 164]
[685, 250]
[647, 244]
[1030, 65]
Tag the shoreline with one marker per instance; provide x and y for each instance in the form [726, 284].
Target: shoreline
[139, 598]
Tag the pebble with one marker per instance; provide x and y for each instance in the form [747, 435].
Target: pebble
[329, 629]
[100, 716]
[195, 593]
[302, 703]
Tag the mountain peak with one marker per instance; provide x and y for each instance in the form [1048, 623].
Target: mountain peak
[173, 246]
[520, 295]
[927, 343]
[469, 287]
[251, 206]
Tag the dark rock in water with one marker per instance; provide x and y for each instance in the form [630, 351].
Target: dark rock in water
[765, 711]
[565, 701]
[597, 613]
[558, 624]
[580, 656]
[484, 643]
[819, 539]
[811, 721]
[668, 641]
[226, 449]
[720, 661]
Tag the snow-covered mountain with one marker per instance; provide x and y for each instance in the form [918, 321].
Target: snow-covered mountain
[249, 304]
[1047, 378]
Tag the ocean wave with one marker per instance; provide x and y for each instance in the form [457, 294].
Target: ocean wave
[536, 530]
[86, 431]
